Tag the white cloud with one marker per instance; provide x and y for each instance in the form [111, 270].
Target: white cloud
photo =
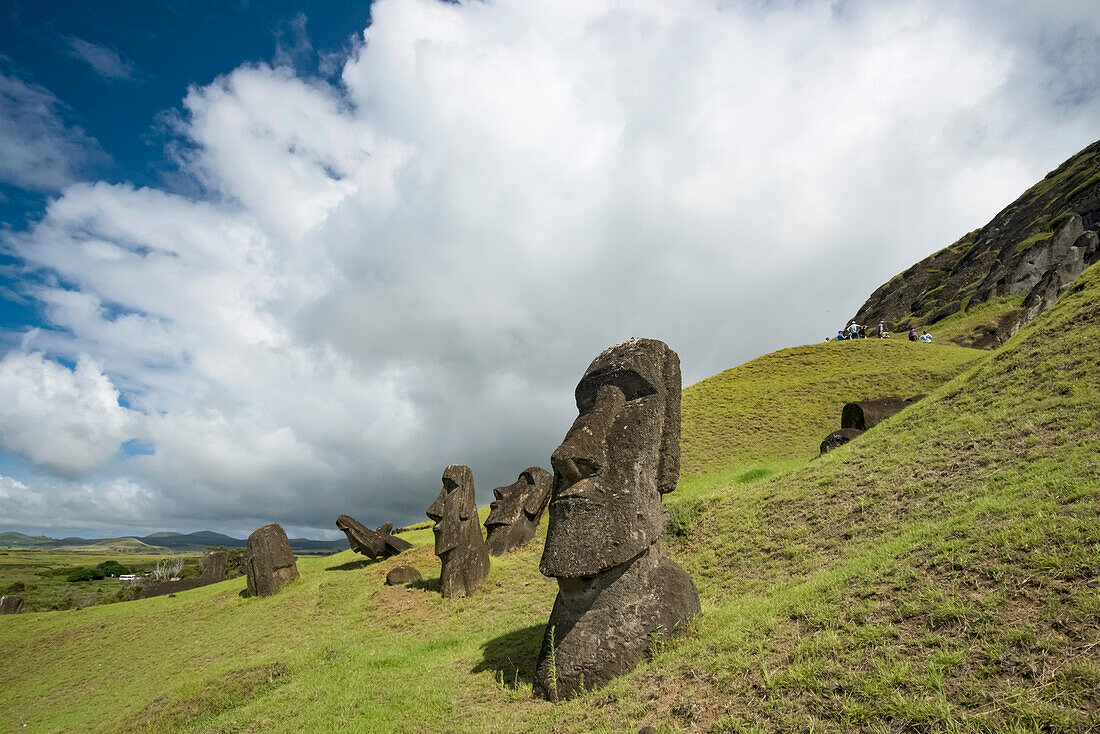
[66, 421]
[38, 150]
[107, 63]
[413, 267]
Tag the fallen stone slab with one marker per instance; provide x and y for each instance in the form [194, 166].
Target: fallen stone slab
[837, 439]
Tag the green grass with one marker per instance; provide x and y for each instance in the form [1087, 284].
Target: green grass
[773, 412]
[931, 576]
[971, 322]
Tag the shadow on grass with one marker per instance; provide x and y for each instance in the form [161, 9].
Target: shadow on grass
[427, 585]
[354, 565]
[512, 656]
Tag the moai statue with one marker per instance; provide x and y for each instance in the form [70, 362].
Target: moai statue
[214, 563]
[371, 543]
[616, 586]
[458, 542]
[271, 563]
[11, 604]
[515, 515]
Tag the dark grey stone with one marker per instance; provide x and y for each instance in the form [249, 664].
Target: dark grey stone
[515, 515]
[866, 414]
[458, 540]
[385, 528]
[371, 543]
[616, 586]
[837, 439]
[400, 575]
[214, 563]
[270, 564]
[11, 604]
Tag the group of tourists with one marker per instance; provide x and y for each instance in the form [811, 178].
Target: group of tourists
[859, 331]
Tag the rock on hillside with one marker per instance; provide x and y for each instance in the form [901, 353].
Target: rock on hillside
[1033, 249]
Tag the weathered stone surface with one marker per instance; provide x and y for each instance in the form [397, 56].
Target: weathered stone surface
[214, 563]
[838, 438]
[400, 575]
[616, 586]
[515, 515]
[170, 587]
[866, 414]
[385, 528]
[11, 604]
[270, 564]
[458, 540]
[371, 543]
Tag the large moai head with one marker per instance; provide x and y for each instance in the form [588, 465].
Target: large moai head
[458, 540]
[271, 564]
[620, 456]
[514, 516]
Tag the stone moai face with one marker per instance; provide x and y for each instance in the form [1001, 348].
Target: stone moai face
[458, 540]
[616, 586]
[515, 515]
[620, 456]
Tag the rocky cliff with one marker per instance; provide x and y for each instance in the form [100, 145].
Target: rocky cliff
[1033, 250]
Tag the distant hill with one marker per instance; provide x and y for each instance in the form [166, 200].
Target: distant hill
[158, 542]
[979, 291]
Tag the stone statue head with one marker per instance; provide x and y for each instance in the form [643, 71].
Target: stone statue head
[454, 509]
[514, 516]
[621, 454]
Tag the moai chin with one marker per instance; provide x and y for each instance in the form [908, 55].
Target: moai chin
[515, 515]
[616, 586]
[458, 541]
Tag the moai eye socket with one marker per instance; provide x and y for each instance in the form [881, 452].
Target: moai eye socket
[631, 383]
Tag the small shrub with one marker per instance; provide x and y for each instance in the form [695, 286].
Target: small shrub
[113, 568]
[17, 587]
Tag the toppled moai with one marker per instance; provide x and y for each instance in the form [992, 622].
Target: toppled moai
[836, 439]
[385, 528]
[214, 564]
[458, 540]
[11, 604]
[270, 564]
[616, 586]
[515, 515]
[371, 543]
[866, 414]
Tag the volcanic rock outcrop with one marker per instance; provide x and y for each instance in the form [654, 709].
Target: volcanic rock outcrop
[458, 540]
[371, 543]
[515, 515]
[836, 439]
[616, 586]
[11, 604]
[270, 564]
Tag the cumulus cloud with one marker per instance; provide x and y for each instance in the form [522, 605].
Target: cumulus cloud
[411, 266]
[66, 421]
[39, 151]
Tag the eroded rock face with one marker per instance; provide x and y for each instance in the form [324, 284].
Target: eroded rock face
[270, 564]
[836, 439]
[458, 540]
[401, 575]
[616, 586]
[214, 563]
[371, 543]
[515, 515]
[11, 604]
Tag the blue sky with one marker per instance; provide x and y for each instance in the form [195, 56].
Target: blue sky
[280, 261]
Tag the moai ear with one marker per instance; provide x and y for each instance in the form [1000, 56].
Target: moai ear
[668, 471]
[539, 493]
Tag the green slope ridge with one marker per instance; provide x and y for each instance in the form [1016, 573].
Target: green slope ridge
[932, 575]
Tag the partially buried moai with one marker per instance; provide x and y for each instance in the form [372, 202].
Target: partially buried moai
[515, 515]
[270, 564]
[616, 587]
[458, 541]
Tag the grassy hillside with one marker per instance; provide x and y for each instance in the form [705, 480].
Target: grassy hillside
[936, 574]
[773, 412]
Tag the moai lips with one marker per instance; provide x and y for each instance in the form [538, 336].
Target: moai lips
[515, 515]
[616, 586]
[458, 540]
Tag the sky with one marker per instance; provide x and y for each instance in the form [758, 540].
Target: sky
[279, 261]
